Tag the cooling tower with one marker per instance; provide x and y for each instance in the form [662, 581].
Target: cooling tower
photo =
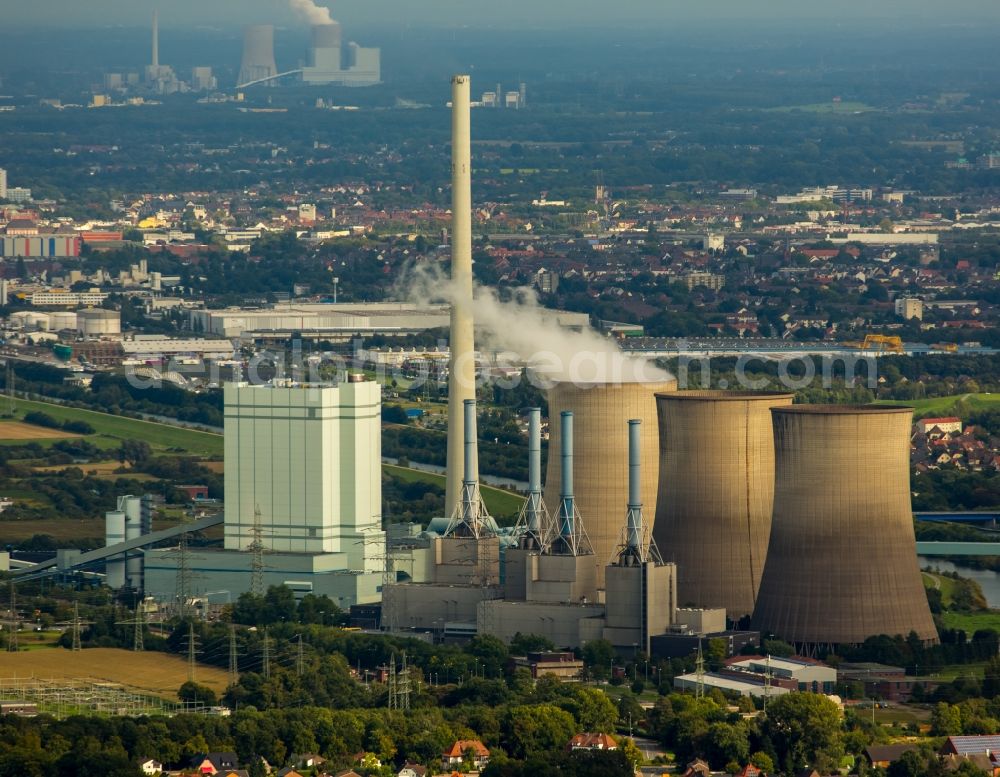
[716, 491]
[600, 453]
[842, 561]
[258, 54]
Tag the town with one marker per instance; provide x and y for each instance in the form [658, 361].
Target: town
[629, 405]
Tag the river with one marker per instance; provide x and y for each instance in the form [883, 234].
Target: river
[988, 580]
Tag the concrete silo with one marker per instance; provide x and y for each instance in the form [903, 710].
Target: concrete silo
[716, 490]
[601, 411]
[258, 54]
[842, 562]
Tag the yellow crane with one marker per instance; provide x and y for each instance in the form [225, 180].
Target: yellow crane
[880, 343]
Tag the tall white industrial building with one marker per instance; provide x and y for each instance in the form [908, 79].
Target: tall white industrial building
[308, 459]
[302, 470]
[3, 184]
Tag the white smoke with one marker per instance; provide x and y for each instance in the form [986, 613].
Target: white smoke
[530, 333]
[310, 12]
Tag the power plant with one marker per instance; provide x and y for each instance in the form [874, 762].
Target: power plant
[716, 491]
[721, 502]
[602, 411]
[258, 54]
[330, 62]
[842, 561]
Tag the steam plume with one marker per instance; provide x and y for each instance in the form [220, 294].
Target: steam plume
[310, 12]
[532, 333]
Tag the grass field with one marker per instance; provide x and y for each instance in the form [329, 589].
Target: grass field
[942, 406]
[971, 622]
[62, 529]
[112, 429]
[160, 674]
[945, 585]
[16, 431]
[500, 503]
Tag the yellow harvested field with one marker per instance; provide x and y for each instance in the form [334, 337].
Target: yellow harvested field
[217, 467]
[159, 674]
[16, 430]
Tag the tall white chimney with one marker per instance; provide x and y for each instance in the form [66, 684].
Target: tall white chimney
[462, 374]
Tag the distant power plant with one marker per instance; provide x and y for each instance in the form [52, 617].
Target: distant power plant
[330, 62]
[258, 54]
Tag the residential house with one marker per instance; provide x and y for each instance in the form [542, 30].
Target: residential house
[307, 760]
[150, 766]
[971, 745]
[288, 771]
[697, 768]
[883, 755]
[950, 425]
[985, 762]
[588, 741]
[214, 763]
[455, 755]
[412, 770]
[750, 771]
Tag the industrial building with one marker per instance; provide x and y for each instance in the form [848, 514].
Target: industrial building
[327, 321]
[40, 246]
[716, 491]
[303, 482]
[330, 62]
[463, 567]
[842, 560]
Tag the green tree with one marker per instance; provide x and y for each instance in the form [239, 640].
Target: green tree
[594, 711]
[597, 657]
[946, 720]
[726, 742]
[762, 761]
[531, 730]
[805, 729]
[194, 693]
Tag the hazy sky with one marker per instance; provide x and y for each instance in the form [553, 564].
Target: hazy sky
[506, 13]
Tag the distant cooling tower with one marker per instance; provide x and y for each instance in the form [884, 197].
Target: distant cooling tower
[713, 506]
[258, 54]
[842, 562]
[601, 411]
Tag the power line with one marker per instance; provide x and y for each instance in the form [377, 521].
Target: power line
[15, 621]
[257, 551]
[234, 672]
[192, 651]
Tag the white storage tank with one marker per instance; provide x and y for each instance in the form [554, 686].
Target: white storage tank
[131, 507]
[29, 320]
[114, 533]
[95, 322]
[62, 320]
